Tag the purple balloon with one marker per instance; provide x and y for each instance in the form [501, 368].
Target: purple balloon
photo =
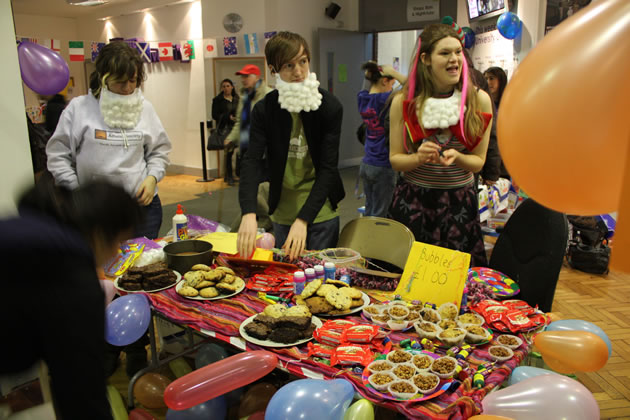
[552, 397]
[127, 319]
[42, 69]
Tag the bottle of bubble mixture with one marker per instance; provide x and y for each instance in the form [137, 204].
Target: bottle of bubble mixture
[180, 225]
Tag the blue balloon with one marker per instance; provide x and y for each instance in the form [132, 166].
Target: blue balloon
[215, 409]
[127, 319]
[469, 37]
[525, 372]
[580, 325]
[209, 353]
[509, 25]
[311, 399]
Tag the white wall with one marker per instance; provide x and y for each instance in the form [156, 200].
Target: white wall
[16, 169]
[397, 44]
[175, 89]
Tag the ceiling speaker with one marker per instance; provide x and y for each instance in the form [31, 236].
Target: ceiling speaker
[332, 10]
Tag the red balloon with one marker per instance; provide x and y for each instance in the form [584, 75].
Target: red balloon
[257, 416]
[218, 378]
[140, 414]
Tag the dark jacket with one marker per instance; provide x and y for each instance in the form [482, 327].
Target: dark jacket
[270, 133]
[54, 108]
[52, 307]
[222, 109]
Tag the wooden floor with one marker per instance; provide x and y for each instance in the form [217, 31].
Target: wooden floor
[602, 300]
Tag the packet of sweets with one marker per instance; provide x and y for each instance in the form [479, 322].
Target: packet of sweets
[352, 354]
[127, 254]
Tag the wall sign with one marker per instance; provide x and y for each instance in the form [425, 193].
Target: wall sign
[423, 10]
[434, 274]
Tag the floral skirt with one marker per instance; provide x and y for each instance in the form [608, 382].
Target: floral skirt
[446, 218]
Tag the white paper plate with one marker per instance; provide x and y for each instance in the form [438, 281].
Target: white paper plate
[269, 343]
[181, 284]
[366, 301]
[177, 279]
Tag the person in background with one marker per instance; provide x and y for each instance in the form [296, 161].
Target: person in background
[54, 246]
[497, 80]
[379, 179]
[113, 133]
[54, 107]
[297, 127]
[436, 197]
[254, 90]
[224, 107]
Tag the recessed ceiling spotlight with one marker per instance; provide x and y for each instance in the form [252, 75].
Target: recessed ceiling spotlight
[86, 2]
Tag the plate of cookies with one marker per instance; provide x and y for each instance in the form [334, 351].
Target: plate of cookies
[205, 283]
[149, 278]
[279, 326]
[332, 298]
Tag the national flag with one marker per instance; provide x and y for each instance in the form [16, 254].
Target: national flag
[76, 51]
[53, 44]
[145, 51]
[269, 35]
[155, 55]
[209, 48]
[177, 52]
[166, 51]
[229, 45]
[95, 48]
[33, 40]
[251, 43]
[188, 50]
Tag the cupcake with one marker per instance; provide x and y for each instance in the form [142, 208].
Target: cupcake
[448, 311]
[444, 367]
[445, 324]
[398, 311]
[426, 382]
[422, 361]
[403, 390]
[381, 380]
[431, 315]
[404, 370]
[510, 341]
[500, 353]
[470, 318]
[399, 356]
[397, 324]
[452, 336]
[427, 329]
[370, 310]
[476, 334]
[379, 366]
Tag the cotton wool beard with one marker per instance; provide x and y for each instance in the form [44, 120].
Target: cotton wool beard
[121, 111]
[441, 112]
[299, 96]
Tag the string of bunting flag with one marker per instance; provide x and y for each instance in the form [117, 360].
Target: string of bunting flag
[159, 51]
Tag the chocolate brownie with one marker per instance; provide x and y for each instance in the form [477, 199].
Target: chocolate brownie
[131, 286]
[153, 269]
[267, 320]
[257, 330]
[136, 270]
[299, 323]
[308, 333]
[285, 335]
[127, 277]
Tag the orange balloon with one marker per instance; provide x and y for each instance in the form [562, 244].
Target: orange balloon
[149, 390]
[619, 254]
[563, 127]
[489, 417]
[572, 351]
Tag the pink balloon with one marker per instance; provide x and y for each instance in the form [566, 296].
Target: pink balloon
[552, 397]
[42, 69]
[218, 378]
[266, 241]
[109, 289]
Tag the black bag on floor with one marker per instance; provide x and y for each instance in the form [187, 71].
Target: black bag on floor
[588, 247]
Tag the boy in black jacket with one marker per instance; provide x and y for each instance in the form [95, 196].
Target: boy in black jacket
[297, 127]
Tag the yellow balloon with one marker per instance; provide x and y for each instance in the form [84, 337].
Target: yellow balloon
[179, 367]
[566, 109]
[360, 410]
[119, 412]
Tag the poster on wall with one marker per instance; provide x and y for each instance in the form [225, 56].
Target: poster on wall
[559, 10]
[493, 50]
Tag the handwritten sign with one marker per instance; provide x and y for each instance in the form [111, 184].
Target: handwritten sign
[423, 10]
[434, 274]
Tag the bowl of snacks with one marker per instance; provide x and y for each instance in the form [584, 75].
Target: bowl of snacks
[404, 370]
[510, 341]
[444, 367]
[452, 336]
[427, 329]
[470, 318]
[381, 320]
[370, 310]
[431, 315]
[398, 311]
[414, 316]
[426, 382]
[445, 324]
[500, 353]
[381, 380]
[422, 362]
[397, 324]
[399, 356]
[476, 334]
[404, 390]
[379, 366]
[448, 311]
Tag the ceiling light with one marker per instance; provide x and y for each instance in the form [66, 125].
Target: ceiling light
[86, 2]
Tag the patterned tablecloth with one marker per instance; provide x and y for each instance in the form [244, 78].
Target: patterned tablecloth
[221, 319]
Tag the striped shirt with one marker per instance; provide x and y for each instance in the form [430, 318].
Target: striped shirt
[435, 175]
